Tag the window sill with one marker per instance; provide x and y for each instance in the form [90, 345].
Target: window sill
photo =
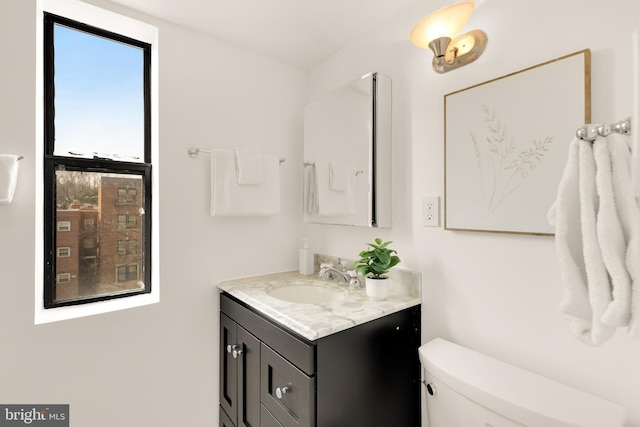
[50, 315]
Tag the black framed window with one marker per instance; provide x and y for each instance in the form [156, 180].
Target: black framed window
[97, 163]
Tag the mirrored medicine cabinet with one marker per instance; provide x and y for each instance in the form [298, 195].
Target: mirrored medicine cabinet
[347, 154]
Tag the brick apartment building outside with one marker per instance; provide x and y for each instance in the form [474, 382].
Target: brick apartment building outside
[76, 247]
[99, 247]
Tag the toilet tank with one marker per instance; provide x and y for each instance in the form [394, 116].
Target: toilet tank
[465, 388]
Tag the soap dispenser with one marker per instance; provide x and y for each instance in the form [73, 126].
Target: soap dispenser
[307, 264]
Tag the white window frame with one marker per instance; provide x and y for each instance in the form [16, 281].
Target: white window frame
[64, 226]
[110, 21]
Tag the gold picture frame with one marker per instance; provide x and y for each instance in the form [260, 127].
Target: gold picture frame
[506, 145]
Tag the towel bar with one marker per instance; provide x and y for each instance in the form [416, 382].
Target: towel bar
[592, 131]
[306, 164]
[194, 151]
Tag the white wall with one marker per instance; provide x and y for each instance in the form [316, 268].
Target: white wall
[156, 365]
[498, 294]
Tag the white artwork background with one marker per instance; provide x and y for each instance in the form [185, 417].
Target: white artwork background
[506, 147]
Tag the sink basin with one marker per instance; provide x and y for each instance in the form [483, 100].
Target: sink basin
[307, 294]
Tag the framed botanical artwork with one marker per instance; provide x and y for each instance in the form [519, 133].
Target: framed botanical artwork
[507, 142]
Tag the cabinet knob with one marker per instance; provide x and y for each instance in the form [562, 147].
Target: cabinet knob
[282, 391]
[235, 350]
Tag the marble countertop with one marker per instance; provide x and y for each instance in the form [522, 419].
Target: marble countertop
[314, 321]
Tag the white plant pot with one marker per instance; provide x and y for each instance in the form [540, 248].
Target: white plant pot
[377, 289]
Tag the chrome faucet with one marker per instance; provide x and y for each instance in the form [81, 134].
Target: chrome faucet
[328, 271]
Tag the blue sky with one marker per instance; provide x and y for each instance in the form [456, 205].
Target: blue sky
[99, 96]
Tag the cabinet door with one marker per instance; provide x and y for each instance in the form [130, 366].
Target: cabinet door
[248, 380]
[239, 374]
[368, 375]
[228, 368]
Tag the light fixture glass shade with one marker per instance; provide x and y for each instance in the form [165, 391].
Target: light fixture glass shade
[445, 22]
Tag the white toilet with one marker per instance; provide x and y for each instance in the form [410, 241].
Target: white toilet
[464, 388]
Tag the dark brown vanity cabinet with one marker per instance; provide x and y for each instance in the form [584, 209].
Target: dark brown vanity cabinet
[365, 376]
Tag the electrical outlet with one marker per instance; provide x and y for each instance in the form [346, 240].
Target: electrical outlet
[431, 211]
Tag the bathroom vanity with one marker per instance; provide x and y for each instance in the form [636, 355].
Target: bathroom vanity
[348, 362]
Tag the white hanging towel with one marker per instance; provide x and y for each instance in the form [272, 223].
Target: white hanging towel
[311, 187]
[339, 176]
[584, 279]
[8, 177]
[611, 237]
[598, 239]
[228, 198]
[629, 216]
[331, 202]
[249, 166]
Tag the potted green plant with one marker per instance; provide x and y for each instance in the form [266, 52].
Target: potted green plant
[374, 264]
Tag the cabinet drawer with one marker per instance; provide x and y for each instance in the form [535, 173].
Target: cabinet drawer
[287, 392]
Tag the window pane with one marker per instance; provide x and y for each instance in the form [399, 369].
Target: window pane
[64, 252]
[122, 249]
[99, 96]
[97, 252]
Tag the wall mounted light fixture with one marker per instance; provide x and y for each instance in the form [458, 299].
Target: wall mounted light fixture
[439, 32]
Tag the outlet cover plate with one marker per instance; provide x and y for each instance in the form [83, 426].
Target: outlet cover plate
[431, 211]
